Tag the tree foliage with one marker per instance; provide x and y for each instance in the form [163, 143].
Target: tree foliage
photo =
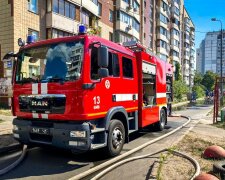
[198, 78]
[199, 89]
[180, 90]
[177, 72]
[209, 80]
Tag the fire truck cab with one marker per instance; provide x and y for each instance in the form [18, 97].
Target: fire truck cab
[84, 92]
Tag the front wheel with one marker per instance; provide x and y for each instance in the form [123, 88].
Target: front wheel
[162, 122]
[116, 138]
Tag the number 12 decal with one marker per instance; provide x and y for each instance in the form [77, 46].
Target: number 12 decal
[97, 101]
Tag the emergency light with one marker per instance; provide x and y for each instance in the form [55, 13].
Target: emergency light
[82, 29]
[31, 39]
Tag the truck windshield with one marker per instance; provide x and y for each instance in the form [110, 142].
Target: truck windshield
[51, 63]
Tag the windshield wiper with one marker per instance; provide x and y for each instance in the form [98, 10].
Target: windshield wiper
[54, 79]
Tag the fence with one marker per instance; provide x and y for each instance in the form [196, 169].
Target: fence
[5, 92]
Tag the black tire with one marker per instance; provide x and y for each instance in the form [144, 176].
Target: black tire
[219, 168]
[162, 122]
[116, 138]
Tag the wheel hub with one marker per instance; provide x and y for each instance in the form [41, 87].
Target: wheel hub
[117, 138]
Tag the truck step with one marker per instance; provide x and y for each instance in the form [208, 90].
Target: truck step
[131, 131]
[96, 130]
[96, 146]
[130, 118]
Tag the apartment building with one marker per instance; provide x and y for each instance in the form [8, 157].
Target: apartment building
[208, 55]
[187, 48]
[200, 56]
[163, 26]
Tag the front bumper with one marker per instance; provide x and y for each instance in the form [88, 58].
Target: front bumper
[58, 134]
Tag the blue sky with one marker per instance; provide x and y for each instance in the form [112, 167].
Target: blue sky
[201, 12]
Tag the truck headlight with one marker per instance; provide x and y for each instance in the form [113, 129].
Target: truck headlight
[79, 134]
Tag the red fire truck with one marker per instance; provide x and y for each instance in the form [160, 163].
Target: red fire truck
[84, 92]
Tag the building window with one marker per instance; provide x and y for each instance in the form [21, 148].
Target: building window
[163, 18]
[64, 8]
[110, 15]
[145, 4]
[33, 6]
[85, 18]
[67, 9]
[161, 43]
[33, 33]
[164, 6]
[55, 6]
[163, 31]
[72, 11]
[127, 68]
[95, 2]
[55, 33]
[136, 6]
[127, 1]
[49, 5]
[99, 9]
[145, 20]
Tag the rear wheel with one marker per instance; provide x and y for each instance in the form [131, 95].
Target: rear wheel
[116, 138]
[162, 122]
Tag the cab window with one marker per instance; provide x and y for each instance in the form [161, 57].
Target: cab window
[127, 68]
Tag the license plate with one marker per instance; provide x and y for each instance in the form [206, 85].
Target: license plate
[43, 131]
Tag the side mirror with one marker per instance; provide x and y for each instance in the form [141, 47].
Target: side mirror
[103, 72]
[103, 59]
[9, 56]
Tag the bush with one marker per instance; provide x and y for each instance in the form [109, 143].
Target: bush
[179, 90]
[200, 92]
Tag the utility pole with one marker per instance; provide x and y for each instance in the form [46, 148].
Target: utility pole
[221, 60]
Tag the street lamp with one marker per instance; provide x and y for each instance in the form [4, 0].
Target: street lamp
[221, 59]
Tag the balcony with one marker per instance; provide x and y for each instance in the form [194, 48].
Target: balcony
[160, 23]
[175, 58]
[165, 12]
[162, 37]
[175, 48]
[162, 50]
[187, 21]
[187, 40]
[58, 21]
[174, 36]
[128, 8]
[90, 6]
[175, 26]
[186, 57]
[127, 29]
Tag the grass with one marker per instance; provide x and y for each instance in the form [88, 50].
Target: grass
[220, 125]
[1, 120]
[6, 112]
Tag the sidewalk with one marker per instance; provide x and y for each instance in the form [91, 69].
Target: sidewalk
[6, 124]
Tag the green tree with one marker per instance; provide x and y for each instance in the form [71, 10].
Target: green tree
[177, 72]
[209, 80]
[199, 89]
[198, 78]
[179, 90]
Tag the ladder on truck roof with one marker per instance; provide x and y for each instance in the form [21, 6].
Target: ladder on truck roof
[134, 46]
[137, 47]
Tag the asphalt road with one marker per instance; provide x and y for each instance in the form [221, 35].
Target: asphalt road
[52, 163]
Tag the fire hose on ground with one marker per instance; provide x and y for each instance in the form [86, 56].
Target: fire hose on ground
[192, 160]
[14, 164]
[126, 154]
